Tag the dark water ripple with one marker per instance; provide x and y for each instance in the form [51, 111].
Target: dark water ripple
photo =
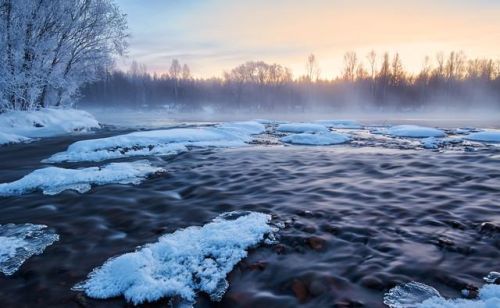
[357, 222]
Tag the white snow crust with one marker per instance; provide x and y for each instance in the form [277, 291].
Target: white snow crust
[347, 124]
[159, 142]
[418, 295]
[54, 180]
[302, 128]
[486, 136]
[316, 139]
[20, 126]
[412, 131]
[182, 263]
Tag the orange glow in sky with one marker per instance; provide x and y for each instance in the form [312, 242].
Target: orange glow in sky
[215, 35]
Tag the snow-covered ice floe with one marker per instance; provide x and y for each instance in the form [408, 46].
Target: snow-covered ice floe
[347, 124]
[328, 138]
[411, 131]
[159, 142]
[302, 128]
[20, 242]
[180, 264]
[20, 126]
[53, 180]
[435, 143]
[418, 295]
[486, 136]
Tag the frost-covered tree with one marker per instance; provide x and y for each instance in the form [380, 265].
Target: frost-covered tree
[50, 48]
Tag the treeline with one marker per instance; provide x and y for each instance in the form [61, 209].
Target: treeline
[374, 81]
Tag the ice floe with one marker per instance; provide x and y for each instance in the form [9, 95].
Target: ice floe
[18, 242]
[159, 142]
[53, 180]
[486, 136]
[328, 138]
[302, 128]
[347, 124]
[412, 131]
[19, 126]
[418, 295]
[180, 264]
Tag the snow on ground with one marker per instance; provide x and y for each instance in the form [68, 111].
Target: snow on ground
[54, 180]
[347, 124]
[316, 139]
[6, 138]
[412, 131]
[181, 263]
[159, 142]
[486, 136]
[301, 128]
[18, 126]
[418, 295]
[20, 242]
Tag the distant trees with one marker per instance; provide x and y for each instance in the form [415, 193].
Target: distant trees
[49, 48]
[382, 83]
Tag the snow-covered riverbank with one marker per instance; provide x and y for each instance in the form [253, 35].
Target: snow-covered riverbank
[23, 126]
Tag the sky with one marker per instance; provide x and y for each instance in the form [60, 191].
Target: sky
[213, 36]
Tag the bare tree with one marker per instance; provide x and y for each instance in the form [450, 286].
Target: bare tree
[350, 64]
[312, 68]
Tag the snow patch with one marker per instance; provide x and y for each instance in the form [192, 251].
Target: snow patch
[19, 242]
[316, 139]
[302, 128]
[159, 142]
[54, 180]
[412, 131]
[6, 138]
[346, 124]
[418, 295]
[182, 263]
[486, 136]
[19, 126]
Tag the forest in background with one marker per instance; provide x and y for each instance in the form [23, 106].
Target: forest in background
[371, 82]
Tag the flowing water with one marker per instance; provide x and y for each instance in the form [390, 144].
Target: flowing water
[357, 221]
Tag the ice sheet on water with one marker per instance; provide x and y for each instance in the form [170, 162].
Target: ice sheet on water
[180, 264]
[18, 242]
[347, 124]
[409, 295]
[159, 142]
[486, 136]
[412, 131]
[53, 180]
[302, 128]
[19, 126]
[316, 139]
[418, 295]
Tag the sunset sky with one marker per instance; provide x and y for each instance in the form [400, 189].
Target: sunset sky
[215, 35]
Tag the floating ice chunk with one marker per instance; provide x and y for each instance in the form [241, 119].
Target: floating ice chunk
[181, 263]
[46, 122]
[6, 138]
[486, 136]
[418, 295]
[159, 142]
[302, 128]
[53, 180]
[409, 295]
[347, 124]
[412, 131]
[316, 139]
[20, 242]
